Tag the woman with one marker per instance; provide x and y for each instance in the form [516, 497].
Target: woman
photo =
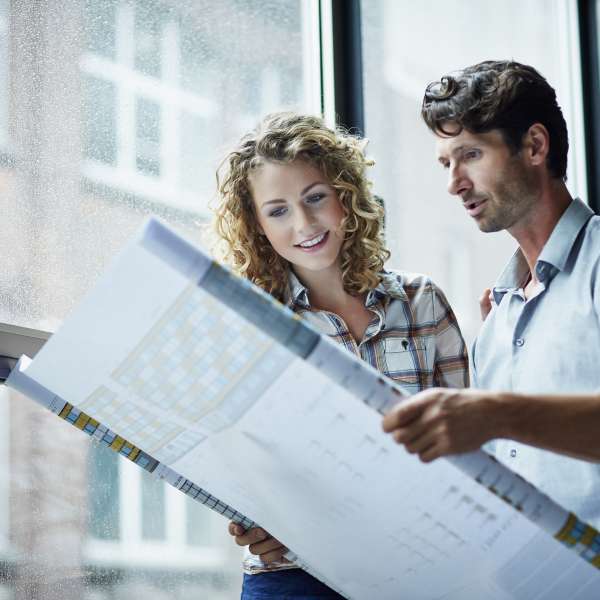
[297, 218]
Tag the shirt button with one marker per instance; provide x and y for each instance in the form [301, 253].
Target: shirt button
[519, 342]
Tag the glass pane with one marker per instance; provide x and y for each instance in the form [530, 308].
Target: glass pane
[200, 524]
[196, 77]
[149, 21]
[100, 27]
[406, 45]
[147, 139]
[125, 113]
[100, 122]
[103, 493]
[196, 164]
[153, 508]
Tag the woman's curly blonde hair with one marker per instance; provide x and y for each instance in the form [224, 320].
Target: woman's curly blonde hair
[284, 138]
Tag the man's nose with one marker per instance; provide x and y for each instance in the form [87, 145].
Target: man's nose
[458, 182]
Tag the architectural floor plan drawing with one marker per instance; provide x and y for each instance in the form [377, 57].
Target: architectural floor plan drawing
[210, 384]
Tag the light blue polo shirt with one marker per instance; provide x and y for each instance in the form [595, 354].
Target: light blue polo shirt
[550, 344]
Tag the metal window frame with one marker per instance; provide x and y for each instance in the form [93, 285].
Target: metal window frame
[15, 341]
[343, 17]
[590, 81]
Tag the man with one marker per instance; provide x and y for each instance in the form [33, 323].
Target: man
[502, 138]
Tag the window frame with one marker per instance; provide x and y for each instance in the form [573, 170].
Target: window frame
[131, 550]
[131, 85]
[589, 48]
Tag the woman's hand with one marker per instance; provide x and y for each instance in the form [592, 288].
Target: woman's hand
[259, 542]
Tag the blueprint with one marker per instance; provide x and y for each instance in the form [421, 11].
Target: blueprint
[212, 385]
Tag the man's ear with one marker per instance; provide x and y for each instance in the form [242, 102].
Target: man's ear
[536, 144]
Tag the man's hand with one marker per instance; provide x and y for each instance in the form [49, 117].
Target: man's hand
[443, 421]
[485, 303]
[259, 541]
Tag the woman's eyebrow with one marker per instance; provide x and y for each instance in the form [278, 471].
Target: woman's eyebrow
[302, 193]
[309, 187]
[274, 201]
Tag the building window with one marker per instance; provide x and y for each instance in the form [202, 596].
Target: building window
[131, 513]
[138, 101]
[160, 86]
[120, 108]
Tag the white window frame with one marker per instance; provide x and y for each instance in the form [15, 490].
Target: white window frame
[130, 84]
[131, 550]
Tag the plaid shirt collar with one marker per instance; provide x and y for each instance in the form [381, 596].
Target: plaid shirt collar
[297, 296]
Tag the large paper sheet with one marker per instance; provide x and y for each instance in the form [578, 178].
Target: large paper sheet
[154, 354]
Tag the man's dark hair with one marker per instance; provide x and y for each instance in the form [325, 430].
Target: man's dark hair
[504, 95]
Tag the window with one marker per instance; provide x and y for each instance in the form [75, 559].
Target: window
[119, 109]
[139, 58]
[150, 519]
[158, 98]
[122, 108]
[406, 47]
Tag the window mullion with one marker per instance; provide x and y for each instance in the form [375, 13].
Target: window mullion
[125, 53]
[175, 517]
[170, 111]
[311, 57]
[130, 501]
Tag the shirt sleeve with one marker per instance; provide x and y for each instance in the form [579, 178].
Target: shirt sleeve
[451, 363]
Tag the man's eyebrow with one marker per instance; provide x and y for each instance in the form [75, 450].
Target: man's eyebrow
[458, 150]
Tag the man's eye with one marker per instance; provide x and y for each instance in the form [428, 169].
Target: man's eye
[471, 154]
[278, 212]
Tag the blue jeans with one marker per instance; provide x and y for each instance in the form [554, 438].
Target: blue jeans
[291, 584]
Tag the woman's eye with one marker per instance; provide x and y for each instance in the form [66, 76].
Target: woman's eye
[314, 198]
[278, 212]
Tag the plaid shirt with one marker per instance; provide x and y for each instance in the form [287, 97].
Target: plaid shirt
[413, 338]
